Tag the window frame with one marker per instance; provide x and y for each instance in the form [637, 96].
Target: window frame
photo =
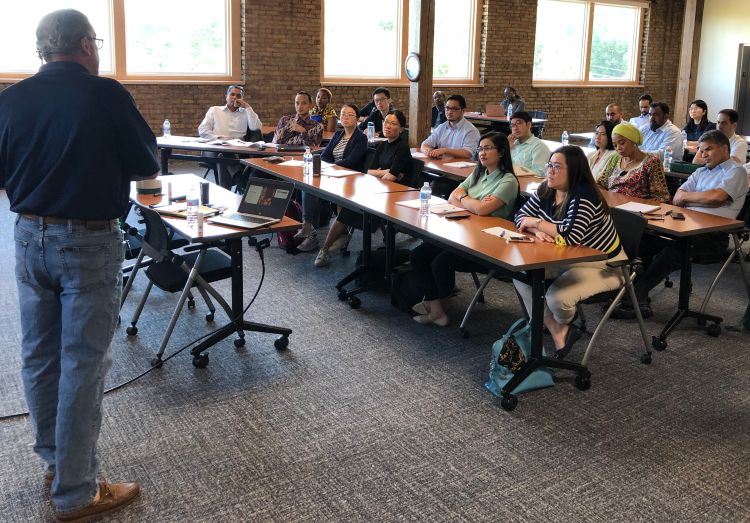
[642, 6]
[119, 57]
[402, 81]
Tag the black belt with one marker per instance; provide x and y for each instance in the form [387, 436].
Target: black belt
[91, 225]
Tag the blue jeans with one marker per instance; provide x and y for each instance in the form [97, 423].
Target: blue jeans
[69, 284]
[310, 209]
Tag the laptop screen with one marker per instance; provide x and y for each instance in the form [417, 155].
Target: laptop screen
[265, 197]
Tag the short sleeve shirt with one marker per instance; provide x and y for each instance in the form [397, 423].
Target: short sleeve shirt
[503, 186]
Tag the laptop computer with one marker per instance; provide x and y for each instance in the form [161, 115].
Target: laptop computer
[494, 110]
[264, 203]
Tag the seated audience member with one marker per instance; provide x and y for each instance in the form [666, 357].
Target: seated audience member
[347, 148]
[527, 150]
[568, 209]
[726, 122]
[299, 128]
[391, 161]
[662, 132]
[228, 122]
[438, 110]
[643, 120]
[323, 111]
[513, 100]
[492, 189]
[717, 188]
[698, 122]
[612, 113]
[457, 137]
[633, 172]
[381, 98]
[605, 149]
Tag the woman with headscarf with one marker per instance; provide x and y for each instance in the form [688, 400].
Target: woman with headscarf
[633, 172]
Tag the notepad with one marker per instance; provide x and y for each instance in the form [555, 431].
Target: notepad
[642, 208]
[416, 204]
[337, 173]
[460, 164]
[292, 163]
[445, 208]
[508, 235]
[418, 154]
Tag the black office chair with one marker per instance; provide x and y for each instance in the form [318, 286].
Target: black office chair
[538, 128]
[630, 228]
[180, 273]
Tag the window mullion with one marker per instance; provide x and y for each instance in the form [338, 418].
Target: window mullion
[587, 45]
[118, 34]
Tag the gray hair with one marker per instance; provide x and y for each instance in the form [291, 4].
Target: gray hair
[59, 32]
[236, 86]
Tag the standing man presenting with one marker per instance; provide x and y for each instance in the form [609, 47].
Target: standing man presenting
[70, 142]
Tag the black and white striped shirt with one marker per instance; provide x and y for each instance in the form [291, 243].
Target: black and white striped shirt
[585, 221]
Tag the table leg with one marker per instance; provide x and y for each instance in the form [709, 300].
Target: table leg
[165, 153]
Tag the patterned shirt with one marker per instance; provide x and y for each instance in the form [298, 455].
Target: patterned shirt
[338, 150]
[584, 222]
[646, 180]
[325, 114]
[284, 133]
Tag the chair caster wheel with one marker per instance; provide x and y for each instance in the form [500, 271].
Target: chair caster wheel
[210, 317]
[464, 333]
[156, 362]
[132, 330]
[191, 304]
[658, 343]
[354, 302]
[508, 403]
[200, 361]
[119, 319]
[281, 343]
[646, 359]
[701, 322]
[239, 342]
[342, 295]
[714, 330]
[669, 284]
[583, 381]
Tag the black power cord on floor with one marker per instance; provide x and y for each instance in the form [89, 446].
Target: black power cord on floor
[259, 246]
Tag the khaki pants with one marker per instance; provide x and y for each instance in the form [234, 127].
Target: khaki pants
[573, 283]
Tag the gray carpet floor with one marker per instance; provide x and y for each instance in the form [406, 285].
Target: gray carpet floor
[371, 417]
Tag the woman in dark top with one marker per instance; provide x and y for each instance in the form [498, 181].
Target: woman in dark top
[391, 161]
[698, 122]
[568, 209]
[347, 148]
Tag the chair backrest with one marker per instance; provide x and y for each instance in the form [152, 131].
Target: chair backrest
[155, 243]
[630, 228]
[542, 115]
[369, 155]
[744, 214]
[253, 135]
[415, 179]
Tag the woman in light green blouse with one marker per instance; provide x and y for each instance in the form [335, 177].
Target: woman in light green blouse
[491, 190]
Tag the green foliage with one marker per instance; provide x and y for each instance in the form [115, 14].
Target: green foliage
[609, 58]
[386, 25]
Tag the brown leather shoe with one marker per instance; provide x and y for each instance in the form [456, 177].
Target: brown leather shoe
[111, 497]
[49, 477]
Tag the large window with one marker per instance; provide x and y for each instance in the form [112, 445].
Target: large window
[166, 40]
[587, 42]
[374, 50]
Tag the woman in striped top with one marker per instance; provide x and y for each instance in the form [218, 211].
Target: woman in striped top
[568, 209]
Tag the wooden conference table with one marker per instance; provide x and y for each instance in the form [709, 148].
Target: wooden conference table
[232, 238]
[374, 197]
[498, 123]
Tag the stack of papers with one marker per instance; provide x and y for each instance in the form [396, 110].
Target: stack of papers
[642, 208]
[337, 173]
[460, 164]
[237, 143]
[510, 236]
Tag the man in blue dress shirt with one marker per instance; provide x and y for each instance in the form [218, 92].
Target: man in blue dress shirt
[457, 137]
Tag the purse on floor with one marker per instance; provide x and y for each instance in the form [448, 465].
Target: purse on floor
[509, 354]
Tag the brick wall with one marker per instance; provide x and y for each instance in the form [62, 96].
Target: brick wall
[281, 42]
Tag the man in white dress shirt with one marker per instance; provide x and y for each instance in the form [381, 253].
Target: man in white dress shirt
[642, 121]
[726, 122]
[662, 133]
[228, 122]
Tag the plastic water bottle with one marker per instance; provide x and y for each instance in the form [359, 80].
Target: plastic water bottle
[167, 129]
[424, 200]
[307, 163]
[193, 200]
[370, 132]
[667, 157]
[509, 111]
[564, 138]
[684, 140]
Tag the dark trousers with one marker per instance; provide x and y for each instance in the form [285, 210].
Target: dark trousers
[436, 269]
[661, 257]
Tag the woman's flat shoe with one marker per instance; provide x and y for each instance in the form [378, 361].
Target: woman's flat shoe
[425, 319]
[573, 335]
[420, 308]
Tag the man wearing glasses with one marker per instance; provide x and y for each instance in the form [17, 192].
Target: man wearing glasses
[235, 120]
[381, 100]
[69, 156]
[457, 137]
[529, 153]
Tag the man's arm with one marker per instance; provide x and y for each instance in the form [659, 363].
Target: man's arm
[431, 142]
[739, 151]
[136, 143]
[253, 121]
[206, 127]
[710, 198]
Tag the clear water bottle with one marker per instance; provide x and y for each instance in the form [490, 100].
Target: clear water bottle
[509, 111]
[307, 163]
[667, 157]
[684, 140]
[193, 200]
[565, 137]
[424, 200]
[370, 132]
[167, 129]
